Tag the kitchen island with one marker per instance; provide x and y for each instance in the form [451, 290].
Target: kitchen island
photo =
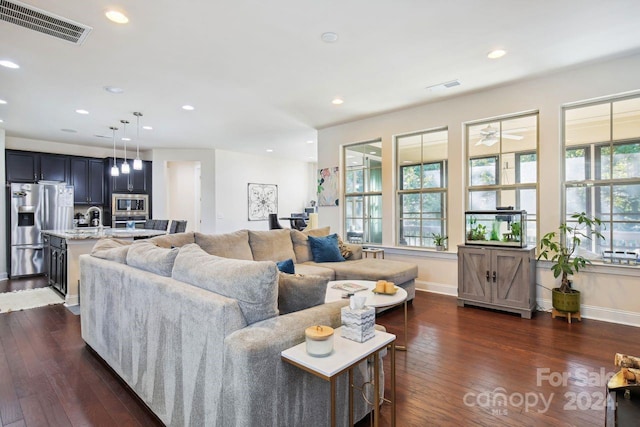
[64, 247]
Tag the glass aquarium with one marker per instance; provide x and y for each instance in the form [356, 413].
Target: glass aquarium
[496, 228]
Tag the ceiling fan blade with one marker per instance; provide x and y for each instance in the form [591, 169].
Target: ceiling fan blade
[509, 136]
[487, 140]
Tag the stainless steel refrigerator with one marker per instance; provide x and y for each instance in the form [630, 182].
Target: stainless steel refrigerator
[36, 207]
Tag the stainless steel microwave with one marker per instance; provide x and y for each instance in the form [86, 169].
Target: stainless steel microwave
[130, 204]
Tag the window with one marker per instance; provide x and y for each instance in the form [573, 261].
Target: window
[422, 187]
[503, 166]
[602, 169]
[363, 192]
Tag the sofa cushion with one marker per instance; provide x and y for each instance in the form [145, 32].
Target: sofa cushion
[325, 249]
[111, 249]
[230, 245]
[374, 269]
[253, 284]
[286, 266]
[300, 242]
[272, 245]
[310, 268]
[149, 257]
[297, 292]
[173, 240]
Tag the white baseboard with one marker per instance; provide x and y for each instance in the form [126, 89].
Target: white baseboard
[603, 314]
[437, 288]
[600, 313]
[4, 276]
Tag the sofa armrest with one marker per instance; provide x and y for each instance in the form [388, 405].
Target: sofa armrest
[356, 250]
[259, 385]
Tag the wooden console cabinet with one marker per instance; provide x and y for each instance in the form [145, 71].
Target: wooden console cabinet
[498, 278]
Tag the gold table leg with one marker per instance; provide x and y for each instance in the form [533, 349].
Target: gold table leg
[406, 335]
[393, 384]
[376, 389]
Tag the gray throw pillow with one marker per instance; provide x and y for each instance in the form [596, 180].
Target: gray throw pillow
[297, 292]
[301, 242]
[254, 284]
[229, 245]
[149, 257]
[111, 249]
[272, 245]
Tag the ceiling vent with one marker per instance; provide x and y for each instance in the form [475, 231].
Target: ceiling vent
[442, 86]
[43, 22]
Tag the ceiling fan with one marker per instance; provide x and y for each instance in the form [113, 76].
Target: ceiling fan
[490, 136]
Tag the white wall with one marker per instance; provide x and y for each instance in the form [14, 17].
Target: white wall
[546, 94]
[207, 159]
[296, 187]
[183, 193]
[3, 215]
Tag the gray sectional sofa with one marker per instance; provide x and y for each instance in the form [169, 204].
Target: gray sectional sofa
[195, 324]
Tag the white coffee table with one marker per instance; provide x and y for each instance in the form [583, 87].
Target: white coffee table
[345, 355]
[373, 300]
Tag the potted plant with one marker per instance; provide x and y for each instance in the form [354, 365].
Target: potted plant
[438, 240]
[559, 247]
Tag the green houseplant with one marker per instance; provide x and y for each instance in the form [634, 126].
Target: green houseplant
[438, 241]
[559, 247]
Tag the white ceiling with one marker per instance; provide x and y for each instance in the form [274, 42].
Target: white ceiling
[260, 76]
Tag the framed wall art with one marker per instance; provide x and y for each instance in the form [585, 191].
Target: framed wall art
[328, 188]
[263, 200]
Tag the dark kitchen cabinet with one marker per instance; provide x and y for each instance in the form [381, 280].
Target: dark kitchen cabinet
[54, 167]
[56, 262]
[27, 166]
[87, 178]
[136, 181]
[21, 166]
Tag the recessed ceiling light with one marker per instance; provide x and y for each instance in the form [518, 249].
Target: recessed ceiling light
[114, 89]
[9, 64]
[495, 54]
[309, 142]
[269, 150]
[147, 128]
[372, 152]
[2, 101]
[82, 112]
[337, 101]
[69, 130]
[1, 121]
[329, 37]
[188, 107]
[116, 16]
[125, 138]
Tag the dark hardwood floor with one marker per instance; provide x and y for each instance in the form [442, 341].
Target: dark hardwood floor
[460, 362]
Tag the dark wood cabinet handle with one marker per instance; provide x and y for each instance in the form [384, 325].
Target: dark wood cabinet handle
[494, 277]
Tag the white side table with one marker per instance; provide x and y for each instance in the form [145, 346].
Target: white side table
[373, 300]
[347, 354]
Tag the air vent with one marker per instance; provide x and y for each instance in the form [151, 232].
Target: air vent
[43, 22]
[442, 86]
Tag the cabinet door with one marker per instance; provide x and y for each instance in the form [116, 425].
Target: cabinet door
[80, 180]
[54, 167]
[96, 182]
[474, 274]
[22, 166]
[512, 278]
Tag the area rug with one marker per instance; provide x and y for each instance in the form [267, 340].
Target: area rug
[29, 298]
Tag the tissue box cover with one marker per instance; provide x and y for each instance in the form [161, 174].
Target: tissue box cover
[358, 324]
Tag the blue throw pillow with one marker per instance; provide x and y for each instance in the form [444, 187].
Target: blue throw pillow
[286, 266]
[325, 249]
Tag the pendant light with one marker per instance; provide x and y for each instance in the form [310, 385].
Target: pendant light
[137, 163]
[114, 169]
[125, 165]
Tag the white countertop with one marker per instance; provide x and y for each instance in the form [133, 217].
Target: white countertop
[95, 233]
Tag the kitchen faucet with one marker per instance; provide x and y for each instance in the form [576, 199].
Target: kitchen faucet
[95, 208]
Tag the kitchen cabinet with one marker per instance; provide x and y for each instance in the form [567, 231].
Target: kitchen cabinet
[56, 262]
[502, 279]
[87, 178]
[136, 181]
[27, 166]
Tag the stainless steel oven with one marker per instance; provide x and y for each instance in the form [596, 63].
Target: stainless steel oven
[130, 205]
